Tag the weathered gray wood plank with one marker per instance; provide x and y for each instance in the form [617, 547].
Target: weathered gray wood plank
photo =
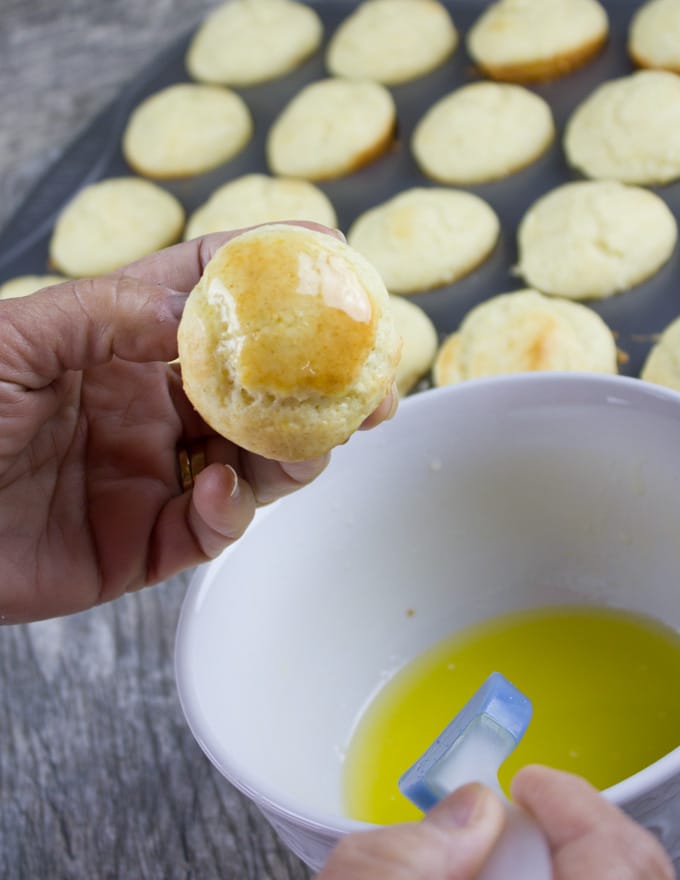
[99, 775]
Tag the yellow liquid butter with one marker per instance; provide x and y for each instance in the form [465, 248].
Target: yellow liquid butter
[603, 684]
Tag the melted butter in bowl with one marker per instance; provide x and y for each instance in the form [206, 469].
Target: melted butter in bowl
[601, 682]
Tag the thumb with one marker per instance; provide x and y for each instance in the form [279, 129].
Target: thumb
[470, 822]
[85, 323]
[451, 843]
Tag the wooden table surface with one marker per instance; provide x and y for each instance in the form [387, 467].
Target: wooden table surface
[99, 774]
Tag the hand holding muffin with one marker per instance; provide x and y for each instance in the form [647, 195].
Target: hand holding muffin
[109, 479]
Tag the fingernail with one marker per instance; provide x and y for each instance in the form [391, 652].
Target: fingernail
[465, 806]
[304, 471]
[394, 394]
[234, 481]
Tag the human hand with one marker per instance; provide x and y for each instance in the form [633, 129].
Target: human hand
[93, 415]
[589, 838]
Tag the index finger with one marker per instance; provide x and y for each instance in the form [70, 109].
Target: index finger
[180, 267]
[568, 807]
[589, 836]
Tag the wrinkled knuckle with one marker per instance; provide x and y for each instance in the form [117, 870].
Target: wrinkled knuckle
[84, 290]
[204, 254]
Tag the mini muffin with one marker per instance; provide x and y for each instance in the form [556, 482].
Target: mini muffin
[425, 238]
[256, 198]
[419, 342]
[525, 40]
[244, 42]
[628, 129]
[114, 222]
[186, 129]
[591, 239]
[662, 366]
[330, 128]
[523, 332]
[392, 41]
[24, 285]
[287, 342]
[482, 131]
[654, 35]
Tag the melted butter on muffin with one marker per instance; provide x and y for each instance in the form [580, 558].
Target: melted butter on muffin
[287, 342]
[302, 321]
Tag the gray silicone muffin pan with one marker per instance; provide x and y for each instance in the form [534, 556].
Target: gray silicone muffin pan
[635, 315]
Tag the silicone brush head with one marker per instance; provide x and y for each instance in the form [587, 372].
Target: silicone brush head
[473, 745]
[471, 749]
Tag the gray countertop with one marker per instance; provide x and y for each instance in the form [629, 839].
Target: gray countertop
[99, 774]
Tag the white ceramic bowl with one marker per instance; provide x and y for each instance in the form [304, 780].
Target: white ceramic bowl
[476, 499]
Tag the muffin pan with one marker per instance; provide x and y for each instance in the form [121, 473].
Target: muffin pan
[636, 316]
